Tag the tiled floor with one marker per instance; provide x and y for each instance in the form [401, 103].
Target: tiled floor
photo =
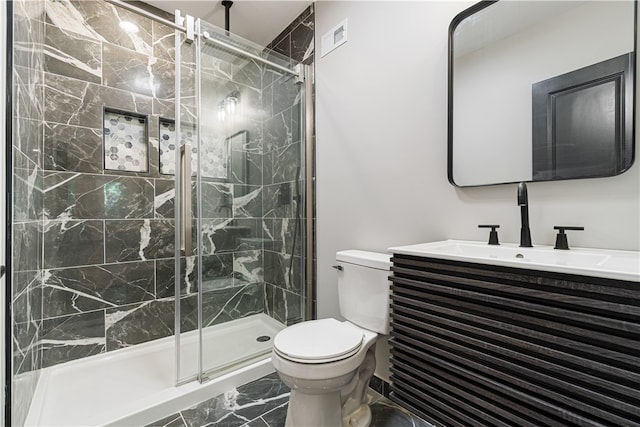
[263, 403]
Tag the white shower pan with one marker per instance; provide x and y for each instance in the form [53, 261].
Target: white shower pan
[135, 386]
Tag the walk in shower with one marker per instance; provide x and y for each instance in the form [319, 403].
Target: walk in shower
[159, 210]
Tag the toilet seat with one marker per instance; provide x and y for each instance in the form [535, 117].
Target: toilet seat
[318, 341]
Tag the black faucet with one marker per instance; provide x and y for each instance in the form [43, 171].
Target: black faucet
[523, 202]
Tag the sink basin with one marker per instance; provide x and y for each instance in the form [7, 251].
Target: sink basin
[621, 265]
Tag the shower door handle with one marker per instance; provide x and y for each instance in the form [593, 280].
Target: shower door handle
[186, 242]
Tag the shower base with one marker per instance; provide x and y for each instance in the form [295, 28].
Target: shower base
[136, 385]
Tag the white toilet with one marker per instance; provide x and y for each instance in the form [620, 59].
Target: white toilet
[328, 363]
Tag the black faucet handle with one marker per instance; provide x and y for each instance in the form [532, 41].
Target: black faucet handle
[493, 235]
[561, 238]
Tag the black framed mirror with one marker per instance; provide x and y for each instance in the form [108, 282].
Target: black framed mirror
[541, 90]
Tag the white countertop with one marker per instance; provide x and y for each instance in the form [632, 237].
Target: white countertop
[610, 264]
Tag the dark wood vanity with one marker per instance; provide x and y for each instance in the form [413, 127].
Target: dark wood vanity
[488, 345]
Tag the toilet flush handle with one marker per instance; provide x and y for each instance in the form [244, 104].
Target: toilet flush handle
[337, 267]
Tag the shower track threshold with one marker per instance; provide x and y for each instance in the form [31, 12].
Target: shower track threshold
[135, 386]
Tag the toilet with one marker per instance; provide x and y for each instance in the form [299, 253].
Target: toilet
[328, 363]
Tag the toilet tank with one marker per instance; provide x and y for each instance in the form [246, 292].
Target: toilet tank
[363, 289]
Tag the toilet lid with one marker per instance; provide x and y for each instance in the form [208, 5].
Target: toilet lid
[318, 341]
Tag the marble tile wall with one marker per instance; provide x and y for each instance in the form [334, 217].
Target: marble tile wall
[108, 235]
[28, 34]
[283, 222]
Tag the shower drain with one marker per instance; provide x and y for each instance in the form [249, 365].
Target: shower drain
[263, 338]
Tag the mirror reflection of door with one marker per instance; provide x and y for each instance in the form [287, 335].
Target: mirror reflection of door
[582, 125]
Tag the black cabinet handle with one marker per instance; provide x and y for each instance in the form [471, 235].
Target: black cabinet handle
[2, 270]
[337, 267]
[561, 238]
[493, 235]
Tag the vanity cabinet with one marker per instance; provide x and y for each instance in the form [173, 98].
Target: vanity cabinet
[486, 345]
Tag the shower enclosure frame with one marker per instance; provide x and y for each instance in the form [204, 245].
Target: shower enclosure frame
[304, 75]
[6, 62]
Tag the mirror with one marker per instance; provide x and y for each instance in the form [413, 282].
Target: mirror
[541, 90]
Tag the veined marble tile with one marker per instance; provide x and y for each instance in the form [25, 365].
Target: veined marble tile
[253, 170]
[248, 72]
[80, 196]
[217, 200]
[100, 20]
[217, 273]
[247, 201]
[241, 405]
[284, 163]
[215, 66]
[223, 235]
[27, 246]
[25, 343]
[27, 296]
[74, 102]
[286, 93]
[166, 275]
[171, 421]
[277, 416]
[280, 271]
[28, 100]
[27, 199]
[296, 119]
[302, 43]
[28, 37]
[138, 323]
[248, 266]
[83, 289]
[73, 243]
[167, 108]
[72, 337]
[283, 47]
[72, 55]
[222, 305]
[28, 141]
[282, 232]
[246, 301]
[72, 148]
[164, 201]
[278, 131]
[138, 73]
[284, 306]
[272, 200]
[164, 44]
[133, 240]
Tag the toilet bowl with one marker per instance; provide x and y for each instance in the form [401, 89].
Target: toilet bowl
[328, 363]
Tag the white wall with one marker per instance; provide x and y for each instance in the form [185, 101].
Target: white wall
[382, 149]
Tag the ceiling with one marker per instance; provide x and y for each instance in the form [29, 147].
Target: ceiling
[257, 20]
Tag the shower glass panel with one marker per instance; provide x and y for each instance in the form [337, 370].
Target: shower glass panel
[244, 281]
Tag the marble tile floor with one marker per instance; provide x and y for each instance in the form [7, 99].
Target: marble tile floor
[263, 403]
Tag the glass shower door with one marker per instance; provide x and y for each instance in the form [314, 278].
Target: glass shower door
[246, 208]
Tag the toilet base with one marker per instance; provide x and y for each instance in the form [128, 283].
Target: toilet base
[338, 402]
[314, 410]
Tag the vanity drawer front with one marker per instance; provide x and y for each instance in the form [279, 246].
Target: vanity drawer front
[487, 345]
